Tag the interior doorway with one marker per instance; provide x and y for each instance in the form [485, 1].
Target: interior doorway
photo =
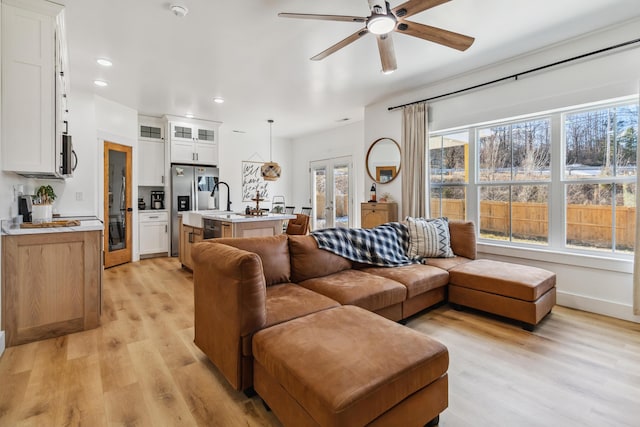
[332, 193]
[117, 204]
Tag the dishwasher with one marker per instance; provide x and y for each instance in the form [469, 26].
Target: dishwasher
[211, 228]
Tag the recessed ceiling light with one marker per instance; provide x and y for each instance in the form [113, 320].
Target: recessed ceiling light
[189, 116]
[218, 100]
[179, 10]
[104, 62]
[100, 83]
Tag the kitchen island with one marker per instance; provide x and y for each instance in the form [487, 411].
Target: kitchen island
[201, 225]
[51, 280]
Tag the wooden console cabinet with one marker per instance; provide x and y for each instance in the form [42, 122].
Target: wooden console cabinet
[51, 284]
[374, 214]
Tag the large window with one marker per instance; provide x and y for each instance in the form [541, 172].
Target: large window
[579, 164]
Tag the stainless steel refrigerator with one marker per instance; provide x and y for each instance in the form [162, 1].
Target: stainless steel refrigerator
[191, 188]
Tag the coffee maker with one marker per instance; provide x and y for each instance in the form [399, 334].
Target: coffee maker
[157, 200]
[25, 208]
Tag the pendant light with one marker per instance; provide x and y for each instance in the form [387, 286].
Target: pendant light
[270, 170]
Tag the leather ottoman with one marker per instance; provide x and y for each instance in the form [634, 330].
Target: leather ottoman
[519, 292]
[346, 366]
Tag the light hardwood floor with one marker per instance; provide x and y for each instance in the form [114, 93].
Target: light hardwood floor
[141, 368]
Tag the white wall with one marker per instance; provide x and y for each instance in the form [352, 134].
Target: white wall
[597, 284]
[237, 147]
[347, 140]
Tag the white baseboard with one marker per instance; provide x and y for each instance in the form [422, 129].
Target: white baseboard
[594, 305]
[1, 342]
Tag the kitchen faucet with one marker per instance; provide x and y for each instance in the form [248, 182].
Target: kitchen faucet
[213, 192]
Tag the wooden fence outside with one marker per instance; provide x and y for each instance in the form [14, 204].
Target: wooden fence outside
[586, 224]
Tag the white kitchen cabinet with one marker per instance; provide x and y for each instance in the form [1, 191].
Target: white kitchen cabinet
[154, 232]
[33, 86]
[151, 164]
[194, 143]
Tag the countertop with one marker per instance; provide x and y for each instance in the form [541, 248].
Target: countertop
[11, 229]
[194, 218]
[234, 217]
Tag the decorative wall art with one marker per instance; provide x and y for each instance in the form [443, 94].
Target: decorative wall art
[252, 182]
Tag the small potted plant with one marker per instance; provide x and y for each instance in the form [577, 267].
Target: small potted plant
[43, 204]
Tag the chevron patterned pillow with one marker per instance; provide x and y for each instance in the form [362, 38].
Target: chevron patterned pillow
[429, 238]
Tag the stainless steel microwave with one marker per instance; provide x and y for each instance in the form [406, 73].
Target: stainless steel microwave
[69, 159]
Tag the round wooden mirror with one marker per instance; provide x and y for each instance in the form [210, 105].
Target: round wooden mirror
[383, 160]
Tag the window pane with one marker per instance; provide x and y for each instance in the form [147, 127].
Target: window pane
[448, 156]
[601, 142]
[530, 213]
[625, 217]
[589, 216]
[626, 137]
[448, 201]
[519, 213]
[341, 195]
[495, 153]
[494, 212]
[531, 142]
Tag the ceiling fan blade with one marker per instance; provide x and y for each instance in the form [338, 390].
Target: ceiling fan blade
[387, 53]
[342, 43]
[436, 35]
[343, 18]
[412, 7]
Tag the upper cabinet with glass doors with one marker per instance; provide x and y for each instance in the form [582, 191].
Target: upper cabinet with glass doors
[194, 143]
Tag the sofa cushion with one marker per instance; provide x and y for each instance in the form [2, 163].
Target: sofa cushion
[418, 278]
[447, 263]
[309, 261]
[272, 250]
[517, 281]
[288, 301]
[463, 238]
[429, 238]
[355, 287]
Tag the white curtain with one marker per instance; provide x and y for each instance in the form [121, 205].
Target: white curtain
[414, 161]
[636, 256]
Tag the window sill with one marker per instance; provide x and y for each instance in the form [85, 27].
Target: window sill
[546, 255]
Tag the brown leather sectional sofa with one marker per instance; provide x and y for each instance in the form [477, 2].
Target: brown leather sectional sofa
[244, 285]
[296, 322]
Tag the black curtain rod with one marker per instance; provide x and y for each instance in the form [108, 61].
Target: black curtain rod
[515, 76]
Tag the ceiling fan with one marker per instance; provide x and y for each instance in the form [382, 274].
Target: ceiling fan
[383, 21]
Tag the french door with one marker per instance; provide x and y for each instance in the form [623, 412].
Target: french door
[117, 204]
[332, 193]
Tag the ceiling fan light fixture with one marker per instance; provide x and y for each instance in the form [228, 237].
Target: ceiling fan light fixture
[381, 24]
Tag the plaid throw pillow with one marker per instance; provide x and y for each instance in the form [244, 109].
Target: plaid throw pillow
[429, 238]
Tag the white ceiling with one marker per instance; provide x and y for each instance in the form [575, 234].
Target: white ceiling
[241, 50]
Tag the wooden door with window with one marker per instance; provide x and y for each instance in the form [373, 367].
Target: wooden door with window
[117, 204]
